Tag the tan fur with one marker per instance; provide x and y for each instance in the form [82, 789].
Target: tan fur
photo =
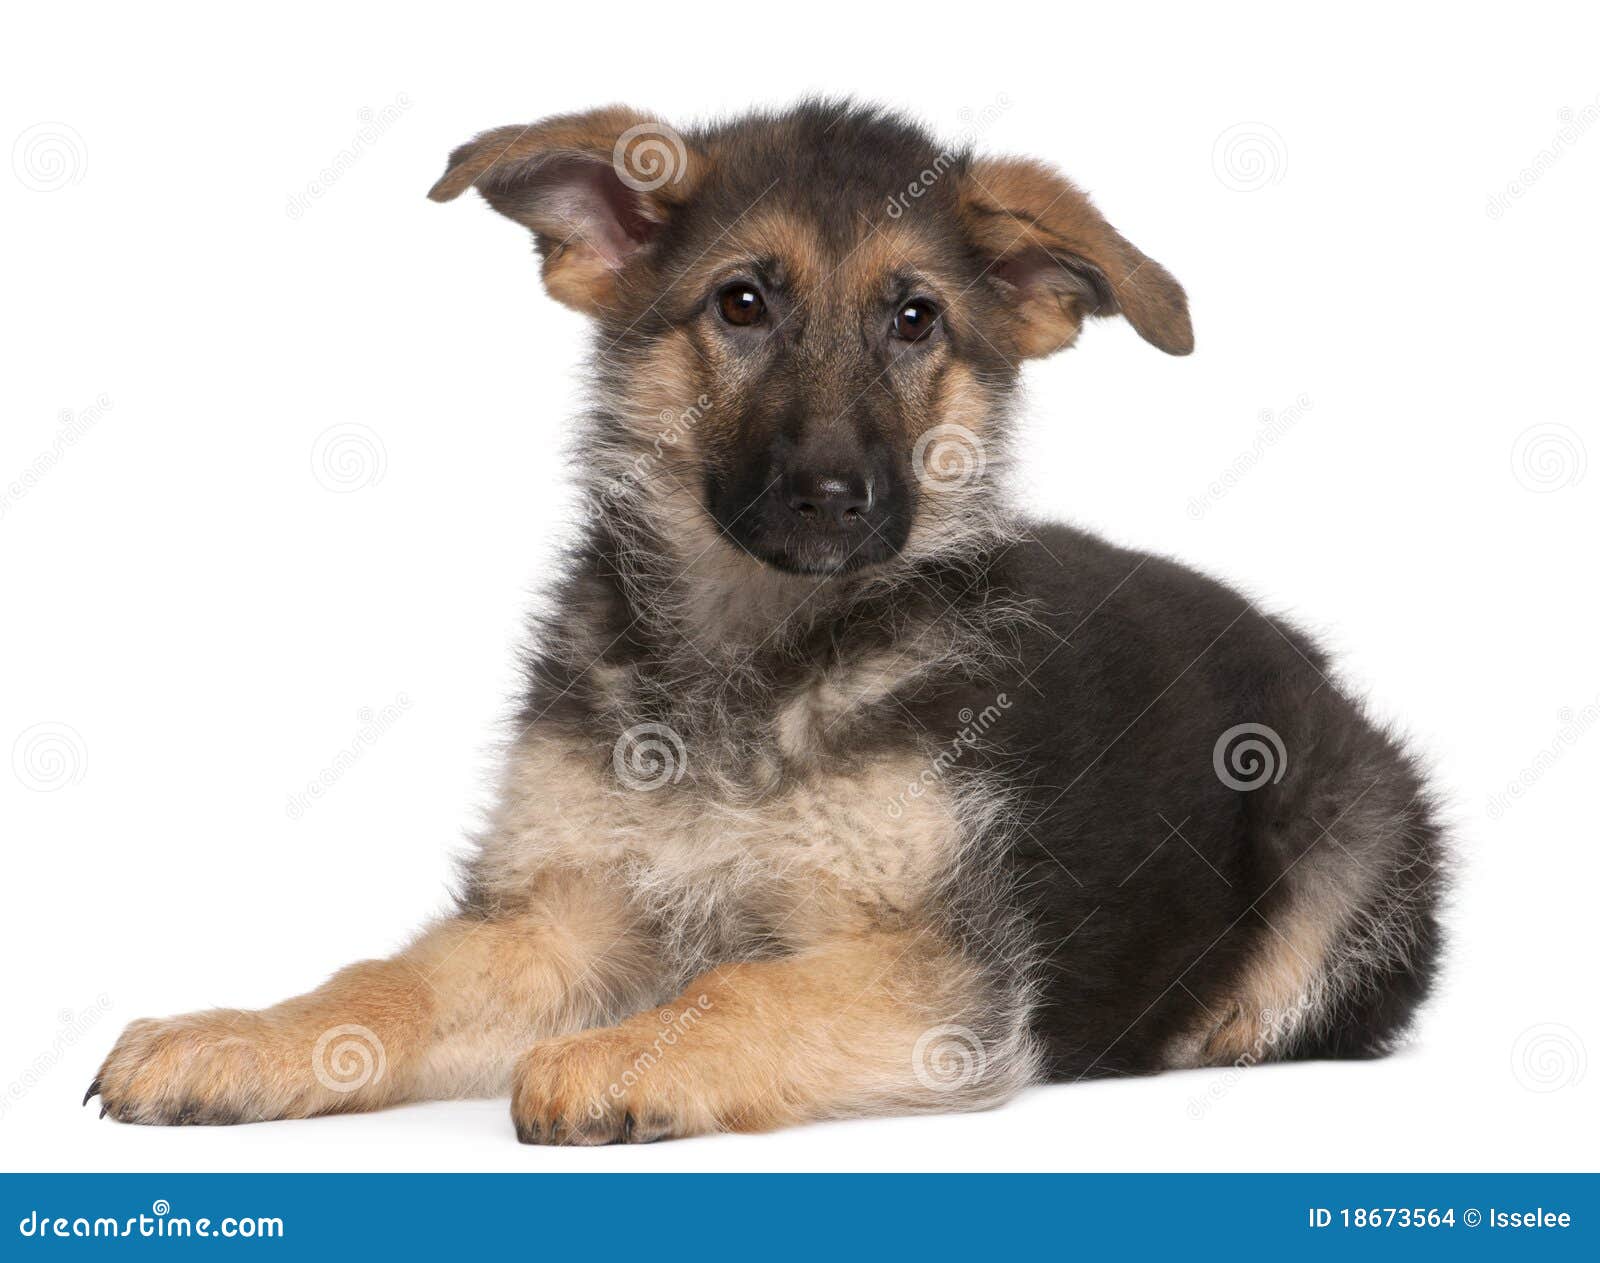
[1328, 930]
[513, 166]
[577, 275]
[829, 1032]
[602, 887]
[807, 717]
[1019, 208]
[959, 446]
[786, 895]
[682, 404]
[1274, 998]
[592, 131]
[801, 856]
[765, 232]
[446, 1017]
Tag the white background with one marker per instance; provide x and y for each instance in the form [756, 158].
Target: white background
[192, 621]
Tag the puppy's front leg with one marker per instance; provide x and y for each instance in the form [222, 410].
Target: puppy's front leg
[865, 1024]
[444, 1018]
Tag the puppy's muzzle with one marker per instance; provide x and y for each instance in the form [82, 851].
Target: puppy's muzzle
[829, 501]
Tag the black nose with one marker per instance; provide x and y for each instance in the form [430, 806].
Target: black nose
[836, 500]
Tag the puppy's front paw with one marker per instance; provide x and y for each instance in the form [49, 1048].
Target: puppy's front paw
[599, 1088]
[218, 1067]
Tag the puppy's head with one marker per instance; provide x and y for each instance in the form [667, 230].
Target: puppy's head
[809, 324]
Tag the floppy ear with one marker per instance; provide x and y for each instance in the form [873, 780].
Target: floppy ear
[1063, 261]
[595, 188]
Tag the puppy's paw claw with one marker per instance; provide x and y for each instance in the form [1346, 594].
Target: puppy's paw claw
[204, 1068]
[584, 1090]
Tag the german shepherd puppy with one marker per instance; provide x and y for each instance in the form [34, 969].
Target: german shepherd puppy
[838, 789]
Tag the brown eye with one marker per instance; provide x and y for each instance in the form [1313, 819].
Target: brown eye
[915, 320]
[741, 304]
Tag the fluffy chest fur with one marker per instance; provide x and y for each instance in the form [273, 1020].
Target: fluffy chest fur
[745, 792]
[729, 858]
